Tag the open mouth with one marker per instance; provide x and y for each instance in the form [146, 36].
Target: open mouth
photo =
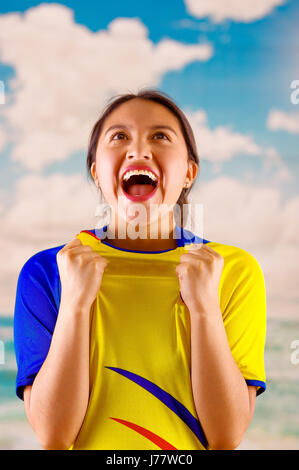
[139, 186]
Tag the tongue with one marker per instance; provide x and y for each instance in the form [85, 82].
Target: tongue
[140, 189]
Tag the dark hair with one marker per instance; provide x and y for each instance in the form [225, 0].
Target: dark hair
[158, 97]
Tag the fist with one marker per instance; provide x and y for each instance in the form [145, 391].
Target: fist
[199, 274]
[81, 270]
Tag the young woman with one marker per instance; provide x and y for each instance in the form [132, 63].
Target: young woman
[141, 342]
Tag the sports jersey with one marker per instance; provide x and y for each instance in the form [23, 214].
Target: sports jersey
[140, 355]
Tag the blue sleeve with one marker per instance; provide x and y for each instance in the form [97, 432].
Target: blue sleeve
[36, 309]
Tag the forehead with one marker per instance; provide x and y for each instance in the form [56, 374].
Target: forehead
[142, 112]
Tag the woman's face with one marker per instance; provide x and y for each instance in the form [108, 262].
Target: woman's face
[142, 133]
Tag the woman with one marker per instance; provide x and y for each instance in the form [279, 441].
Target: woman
[147, 342]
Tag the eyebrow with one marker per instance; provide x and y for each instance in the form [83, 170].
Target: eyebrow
[117, 126]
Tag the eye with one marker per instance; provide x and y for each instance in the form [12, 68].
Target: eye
[123, 134]
[161, 133]
[117, 133]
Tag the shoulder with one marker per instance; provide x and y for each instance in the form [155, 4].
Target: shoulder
[242, 281]
[236, 257]
[242, 292]
[39, 276]
[41, 262]
[232, 254]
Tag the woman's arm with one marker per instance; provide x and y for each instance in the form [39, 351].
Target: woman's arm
[223, 401]
[57, 401]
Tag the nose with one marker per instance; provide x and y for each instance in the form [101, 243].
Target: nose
[139, 150]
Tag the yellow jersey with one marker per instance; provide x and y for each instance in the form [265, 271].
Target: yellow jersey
[140, 375]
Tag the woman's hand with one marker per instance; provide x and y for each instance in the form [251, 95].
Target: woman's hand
[199, 274]
[81, 270]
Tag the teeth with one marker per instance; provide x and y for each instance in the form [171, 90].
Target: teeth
[139, 172]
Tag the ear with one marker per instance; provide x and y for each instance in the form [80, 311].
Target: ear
[94, 174]
[192, 172]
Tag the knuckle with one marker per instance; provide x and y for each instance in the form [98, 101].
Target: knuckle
[62, 255]
[69, 254]
[218, 257]
[187, 269]
[82, 256]
[98, 265]
[87, 248]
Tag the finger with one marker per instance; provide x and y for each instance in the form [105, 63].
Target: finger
[101, 263]
[183, 269]
[74, 242]
[81, 249]
[194, 255]
[212, 251]
[193, 246]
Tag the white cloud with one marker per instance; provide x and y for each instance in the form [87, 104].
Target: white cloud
[280, 120]
[221, 143]
[235, 212]
[45, 212]
[176, 55]
[273, 160]
[65, 73]
[254, 219]
[245, 11]
[48, 208]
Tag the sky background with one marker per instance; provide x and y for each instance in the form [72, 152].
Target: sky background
[228, 65]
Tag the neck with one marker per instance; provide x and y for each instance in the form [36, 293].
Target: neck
[145, 238]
